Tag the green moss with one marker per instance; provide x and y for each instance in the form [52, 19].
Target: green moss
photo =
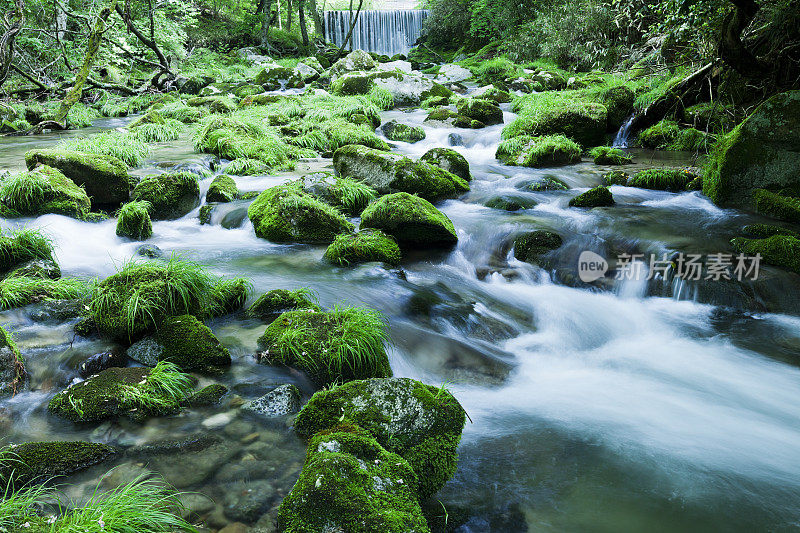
[779, 250]
[548, 183]
[21, 289]
[544, 151]
[496, 70]
[336, 346]
[413, 221]
[210, 395]
[363, 247]
[395, 131]
[222, 189]
[692, 140]
[104, 177]
[215, 104]
[246, 167]
[712, 116]
[615, 177]
[606, 155]
[286, 214]
[42, 461]
[350, 483]
[190, 344]
[44, 190]
[419, 422]
[660, 135]
[619, 104]
[762, 231]
[171, 195]
[134, 221]
[12, 366]
[449, 160]
[484, 111]
[776, 205]
[597, 197]
[498, 96]
[662, 179]
[21, 246]
[277, 301]
[530, 246]
[578, 115]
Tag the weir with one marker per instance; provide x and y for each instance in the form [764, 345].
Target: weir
[387, 32]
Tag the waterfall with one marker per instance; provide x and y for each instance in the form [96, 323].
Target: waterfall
[621, 140]
[384, 32]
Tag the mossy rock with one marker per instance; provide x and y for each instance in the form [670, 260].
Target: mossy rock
[389, 173]
[278, 301]
[44, 190]
[779, 250]
[763, 152]
[411, 220]
[271, 73]
[584, 122]
[222, 189]
[287, 214]
[103, 397]
[606, 155]
[103, 177]
[349, 482]
[207, 396]
[619, 105]
[151, 117]
[548, 183]
[396, 131]
[190, 344]
[348, 195]
[134, 221]
[171, 195]
[777, 205]
[659, 135]
[537, 152]
[597, 197]
[510, 203]
[215, 104]
[330, 346]
[530, 246]
[12, 366]
[43, 461]
[493, 94]
[762, 231]
[355, 60]
[18, 249]
[449, 160]
[363, 247]
[419, 422]
[615, 177]
[662, 179]
[484, 111]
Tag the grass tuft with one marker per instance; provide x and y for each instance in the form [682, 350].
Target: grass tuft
[122, 145]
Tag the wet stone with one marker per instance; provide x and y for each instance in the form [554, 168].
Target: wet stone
[284, 400]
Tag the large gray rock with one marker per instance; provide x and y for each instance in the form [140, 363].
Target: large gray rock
[284, 400]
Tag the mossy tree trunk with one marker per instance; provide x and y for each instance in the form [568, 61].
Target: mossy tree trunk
[312, 5]
[14, 22]
[302, 20]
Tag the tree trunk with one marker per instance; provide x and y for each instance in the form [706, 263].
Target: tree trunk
[289, 13]
[350, 31]
[731, 48]
[7, 39]
[312, 4]
[302, 20]
[149, 42]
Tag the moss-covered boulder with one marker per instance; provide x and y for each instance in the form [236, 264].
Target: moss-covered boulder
[619, 105]
[446, 117]
[134, 221]
[583, 121]
[410, 89]
[492, 93]
[528, 247]
[777, 205]
[606, 155]
[660, 135]
[190, 344]
[136, 392]
[388, 173]
[43, 461]
[536, 152]
[24, 246]
[363, 247]
[222, 189]
[411, 220]
[615, 177]
[479, 109]
[779, 250]
[210, 395]
[348, 195]
[44, 190]
[103, 177]
[763, 152]
[662, 179]
[419, 422]
[171, 195]
[272, 73]
[355, 60]
[287, 214]
[330, 346]
[762, 231]
[278, 301]
[396, 131]
[349, 482]
[449, 160]
[597, 197]
[12, 367]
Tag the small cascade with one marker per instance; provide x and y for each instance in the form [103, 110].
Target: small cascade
[621, 140]
[384, 32]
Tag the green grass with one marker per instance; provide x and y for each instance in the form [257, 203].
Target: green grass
[143, 505]
[142, 293]
[18, 291]
[184, 113]
[164, 387]
[24, 245]
[25, 191]
[607, 155]
[246, 167]
[382, 98]
[353, 195]
[122, 145]
[150, 133]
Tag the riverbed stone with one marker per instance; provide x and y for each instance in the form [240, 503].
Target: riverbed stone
[450, 73]
[190, 344]
[596, 197]
[449, 160]
[539, 151]
[396, 131]
[103, 177]
[411, 220]
[277, 301]
[43, 461]
[419, 422]
[134, 221]
[389, 173]
[171, 195]
[528, 247]
[12, 366]
[355, 60]
[763, 152]
[481, 110]
[210, 395]
[411, 89]
[779, 250]
[52, 192]
[363, 247]
[281, 401]
[222, 189]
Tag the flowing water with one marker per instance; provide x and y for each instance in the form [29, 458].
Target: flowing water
[386, 32]
[619, 405]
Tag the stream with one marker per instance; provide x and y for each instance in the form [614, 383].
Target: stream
[620, 405]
